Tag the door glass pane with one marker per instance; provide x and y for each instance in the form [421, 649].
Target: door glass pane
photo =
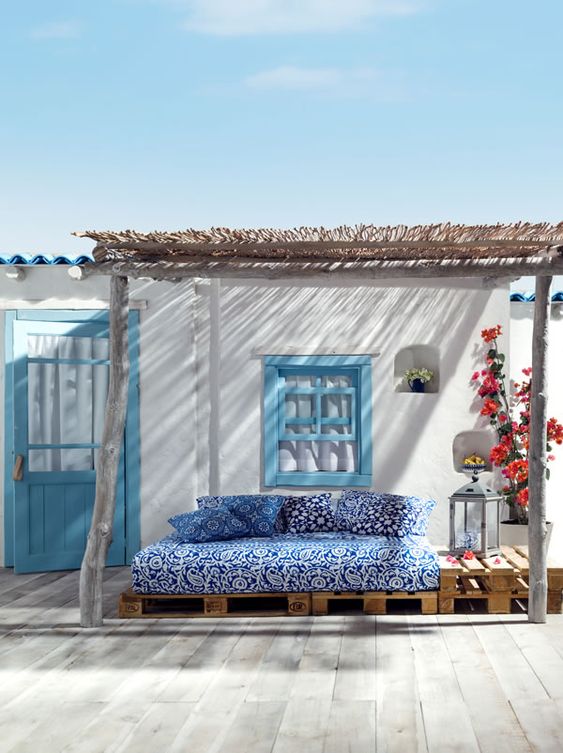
[63, 460]
[62, 346]
[66, 403]
[336, 428]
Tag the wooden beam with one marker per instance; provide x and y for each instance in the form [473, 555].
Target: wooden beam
[320, 245]
[537, 530]
[100, 535]
[336, 270]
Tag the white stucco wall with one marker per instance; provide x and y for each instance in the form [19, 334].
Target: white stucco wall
[522, 315]
[201, 384]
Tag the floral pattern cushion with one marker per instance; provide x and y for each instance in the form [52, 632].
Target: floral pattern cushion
[258, 511]
[309, 514]
[381, 514]
[215, 524]
[335, 561]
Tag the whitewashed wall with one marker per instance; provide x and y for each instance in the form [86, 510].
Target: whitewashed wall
[201, 383]
[522, 315]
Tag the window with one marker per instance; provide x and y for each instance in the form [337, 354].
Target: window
[317, 420]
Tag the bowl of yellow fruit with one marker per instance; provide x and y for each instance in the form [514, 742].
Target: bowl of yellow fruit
[473, 464]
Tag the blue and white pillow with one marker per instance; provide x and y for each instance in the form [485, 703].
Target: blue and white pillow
[309, 514]
[258, 511]
[216, 524]
[381, 514]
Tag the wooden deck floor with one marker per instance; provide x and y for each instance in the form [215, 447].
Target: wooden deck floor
[405, 683]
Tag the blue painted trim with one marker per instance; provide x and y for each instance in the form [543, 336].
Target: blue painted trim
[322, 479]
[271, 412]
[75, 315]
[133, 447]
[67, 446]
[9, 456]
[276, 368]
[365, 438]
[317, 361]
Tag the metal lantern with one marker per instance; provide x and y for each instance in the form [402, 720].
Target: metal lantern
[475, 519]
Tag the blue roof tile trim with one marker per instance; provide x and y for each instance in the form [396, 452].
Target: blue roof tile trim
[41, 260]
[530, 297]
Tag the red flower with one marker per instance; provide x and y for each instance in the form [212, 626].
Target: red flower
[499, 453]
[527, 371]
[468, 555]
[517, 470]
[491, 334]
[554, 431]
[475, 376]
[490, 408]
[522, 497]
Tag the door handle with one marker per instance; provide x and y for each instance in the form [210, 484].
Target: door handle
[17, 473]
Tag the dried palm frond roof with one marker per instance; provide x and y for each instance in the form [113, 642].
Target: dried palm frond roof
[344, 243]
[356, 252]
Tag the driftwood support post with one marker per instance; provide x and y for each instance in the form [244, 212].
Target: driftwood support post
[537, 530]
[100, 535]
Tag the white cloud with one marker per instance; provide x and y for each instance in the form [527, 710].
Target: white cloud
[56, 30]
[244, 17]
[292, 78]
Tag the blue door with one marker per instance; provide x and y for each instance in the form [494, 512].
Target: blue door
[60, 381]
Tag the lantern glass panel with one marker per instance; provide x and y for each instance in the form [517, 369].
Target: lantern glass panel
[468, 524]
[493, 541]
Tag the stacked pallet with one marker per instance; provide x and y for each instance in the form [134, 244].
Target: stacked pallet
[498, 581]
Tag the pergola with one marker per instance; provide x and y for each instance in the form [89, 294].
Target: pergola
[362, 253]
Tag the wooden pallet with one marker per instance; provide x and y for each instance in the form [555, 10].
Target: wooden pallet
[373, 602]
[132, 604]
[497, 584]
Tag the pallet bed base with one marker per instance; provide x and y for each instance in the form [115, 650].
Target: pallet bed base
[134, 605]
[496, 581]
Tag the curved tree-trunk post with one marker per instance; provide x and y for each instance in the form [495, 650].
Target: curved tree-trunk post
[537, 530]
[100, 535]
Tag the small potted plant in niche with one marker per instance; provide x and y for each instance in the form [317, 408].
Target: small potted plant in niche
[508, 412]
[417, 379]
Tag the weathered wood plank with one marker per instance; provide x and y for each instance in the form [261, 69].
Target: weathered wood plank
[537, 713]
[440, 696]
[100, 535]
[399, 722]
[537, 529]
[493, 719]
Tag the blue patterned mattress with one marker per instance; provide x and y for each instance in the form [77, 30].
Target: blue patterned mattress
[338, 561]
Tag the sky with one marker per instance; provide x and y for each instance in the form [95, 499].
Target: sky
[166, 114]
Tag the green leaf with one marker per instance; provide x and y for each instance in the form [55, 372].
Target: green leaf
[492, 353]
[501, 357]
[547, 473]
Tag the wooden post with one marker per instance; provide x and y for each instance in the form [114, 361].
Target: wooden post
[537, 531]
[100, 535]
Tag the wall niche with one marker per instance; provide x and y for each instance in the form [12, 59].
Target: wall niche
[466, 443]
[417, 357]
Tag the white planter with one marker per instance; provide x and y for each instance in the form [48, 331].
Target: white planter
[515, 535]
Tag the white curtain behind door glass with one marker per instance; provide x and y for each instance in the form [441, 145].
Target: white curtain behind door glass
[308, 457]
[66, 402]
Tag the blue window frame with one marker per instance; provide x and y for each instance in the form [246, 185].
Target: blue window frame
[317, 421]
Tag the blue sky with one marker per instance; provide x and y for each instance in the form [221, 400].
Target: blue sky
[174, 113]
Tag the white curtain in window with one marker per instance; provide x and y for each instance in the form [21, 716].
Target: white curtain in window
[66, 402]
[308, 457]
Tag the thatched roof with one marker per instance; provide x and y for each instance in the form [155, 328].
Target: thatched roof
[419, 250]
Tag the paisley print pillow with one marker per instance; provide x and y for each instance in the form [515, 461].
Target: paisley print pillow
[215, 524]
[381, 514]
[258, 511]
[310, 514]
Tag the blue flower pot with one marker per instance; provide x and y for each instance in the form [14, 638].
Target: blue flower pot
[417, 385]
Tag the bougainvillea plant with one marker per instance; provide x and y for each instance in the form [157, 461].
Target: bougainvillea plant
[509, 414]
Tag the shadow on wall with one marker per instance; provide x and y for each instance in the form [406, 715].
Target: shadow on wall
[372, 319]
